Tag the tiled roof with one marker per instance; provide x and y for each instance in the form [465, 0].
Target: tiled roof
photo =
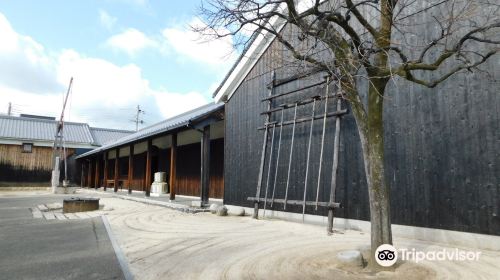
[21, 128]
[178, 121]
[36, 129]
[103, 136]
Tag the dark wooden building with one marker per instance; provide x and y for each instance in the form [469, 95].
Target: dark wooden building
[189, 146]
[26, 145]
[442, 146]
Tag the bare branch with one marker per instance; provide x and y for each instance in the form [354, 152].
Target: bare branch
[431, 84]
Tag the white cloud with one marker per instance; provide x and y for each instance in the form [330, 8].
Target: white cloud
[116, 90]
[130, 41]
[104, 94]
[24, 63]
[191, 45]
[169, 102]
[107, 20]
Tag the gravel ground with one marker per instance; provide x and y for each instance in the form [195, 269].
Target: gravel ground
[160, 243]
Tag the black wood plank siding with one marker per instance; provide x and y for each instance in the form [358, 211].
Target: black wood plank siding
[442, 150]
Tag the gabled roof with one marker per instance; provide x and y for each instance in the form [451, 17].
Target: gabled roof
[43, 130]
[35, 129]
[182, 120]
[251, 54]
[244, 64]
[103, 136]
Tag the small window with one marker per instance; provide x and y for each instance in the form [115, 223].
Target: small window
[27, 147]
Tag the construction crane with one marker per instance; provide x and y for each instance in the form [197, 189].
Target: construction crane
[59, 148]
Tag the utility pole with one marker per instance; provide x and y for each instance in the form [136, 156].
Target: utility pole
[9, 110]
[59, 149]
[137, 121]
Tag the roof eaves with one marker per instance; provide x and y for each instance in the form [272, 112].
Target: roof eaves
[130, 138]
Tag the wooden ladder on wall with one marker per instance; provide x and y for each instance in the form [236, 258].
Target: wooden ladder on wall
[270, 128]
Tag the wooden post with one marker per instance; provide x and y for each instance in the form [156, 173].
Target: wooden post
[85, 173]
[96, 179]
[173, 163]
[205, 165]
[89, 174]
[117, 169]
[333, 188]
[264, 148]
[81, 178]
[105, 170]
[148, 167]
[130, 168]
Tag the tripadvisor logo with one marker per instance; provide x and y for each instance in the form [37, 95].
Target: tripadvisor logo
[387, 255]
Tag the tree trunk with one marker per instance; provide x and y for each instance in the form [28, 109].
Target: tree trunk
[371, 132]
[378, 190]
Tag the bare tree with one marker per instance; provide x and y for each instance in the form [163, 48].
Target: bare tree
[373, 40]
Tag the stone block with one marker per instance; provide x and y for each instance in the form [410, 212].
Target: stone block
[222, 211]
[235, 211]
[213, 208]
[160, 177]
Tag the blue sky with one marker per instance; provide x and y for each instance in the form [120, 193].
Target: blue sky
[121, 53]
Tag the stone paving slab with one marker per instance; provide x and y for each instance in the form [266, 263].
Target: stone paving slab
[82, 215]
[42, 207]
[52, 211]
[60, 216]
[49, 215]
[95, 214]
[71, 216]
[37, 214]
[54, 206]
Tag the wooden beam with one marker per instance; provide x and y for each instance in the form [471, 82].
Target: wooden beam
[96, 179]
[329, 205]
[130, 168]
[173, 166]
[105, 183]
[205, 165]
[148, 167]
[117, 169]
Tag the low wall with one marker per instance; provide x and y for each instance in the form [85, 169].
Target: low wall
[24, 186]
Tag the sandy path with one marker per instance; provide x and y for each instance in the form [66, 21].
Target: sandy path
[164, 244]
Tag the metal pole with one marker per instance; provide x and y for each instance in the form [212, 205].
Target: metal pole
[277, 157]
[263, 154]
[334, 169]
[291, 155]
[308, 157]
[269, 170]
[322, 141]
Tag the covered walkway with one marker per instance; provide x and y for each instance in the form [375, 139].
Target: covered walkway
[189, 148]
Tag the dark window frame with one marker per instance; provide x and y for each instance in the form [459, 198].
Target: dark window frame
[24, 150]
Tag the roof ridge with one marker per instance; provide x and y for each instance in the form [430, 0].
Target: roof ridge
[178, 116]
[111, 129]
[38, 120]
